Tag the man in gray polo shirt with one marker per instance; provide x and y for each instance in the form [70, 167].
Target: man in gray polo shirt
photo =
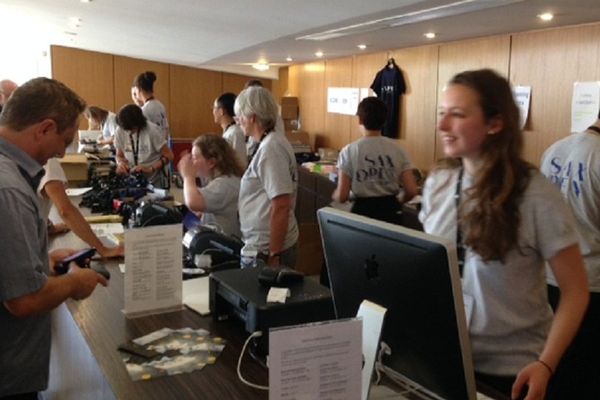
[38, 122]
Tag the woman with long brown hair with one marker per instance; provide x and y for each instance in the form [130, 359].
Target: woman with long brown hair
[508, 221]
[213, 159]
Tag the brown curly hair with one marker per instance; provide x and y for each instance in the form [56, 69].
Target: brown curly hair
[489, 217]
[214, 147]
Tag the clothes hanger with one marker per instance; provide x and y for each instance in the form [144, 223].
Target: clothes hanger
[391, 62]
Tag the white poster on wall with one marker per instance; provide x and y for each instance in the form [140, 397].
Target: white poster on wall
[342, 100]
[522, 95]
[364, 93]
[585, 105]
[334, 99]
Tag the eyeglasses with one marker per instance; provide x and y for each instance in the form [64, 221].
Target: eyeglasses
[238, 118]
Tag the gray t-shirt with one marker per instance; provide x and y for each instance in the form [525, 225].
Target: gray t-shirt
[24, 342]
[510, 316]
[573, 165]
[109, 127]
[374, 163]
[272, 172]
[155, 112]
[149, 148]
[235, 137]
[221, 198]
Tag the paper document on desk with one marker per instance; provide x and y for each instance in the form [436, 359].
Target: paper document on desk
[74, 192]
[195, 295]
[153, 269]
[316, 361]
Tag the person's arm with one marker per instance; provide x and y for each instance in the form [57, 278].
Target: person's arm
[78, 284]
[166, 156]
[122, 163]
[71, 215]
[341, 193]
[104, 141]
[568, 268]
[191, 195]
[409, 183]
[280, 210]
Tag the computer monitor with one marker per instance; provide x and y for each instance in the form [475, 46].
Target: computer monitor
[415, 276]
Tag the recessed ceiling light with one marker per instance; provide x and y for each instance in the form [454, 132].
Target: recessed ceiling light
[546, 16]
[261, 66]
[319, 54]
[289, 59]
[362, 46]
[429, 35]
[86, 1]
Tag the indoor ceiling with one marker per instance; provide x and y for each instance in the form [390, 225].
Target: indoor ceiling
[231, 35]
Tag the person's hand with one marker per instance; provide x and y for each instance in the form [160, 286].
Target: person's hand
[85, 281]
[57, 229]
[274, 261]
[110, 252]
[122, 168]
[185, 165]
[536, 376]
[55, 256]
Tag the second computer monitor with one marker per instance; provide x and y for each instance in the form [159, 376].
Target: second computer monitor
[415, 276]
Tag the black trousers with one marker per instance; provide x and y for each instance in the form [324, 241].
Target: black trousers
[578, 373]
[384, 208]
[22, 396]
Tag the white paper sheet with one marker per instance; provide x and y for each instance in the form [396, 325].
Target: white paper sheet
[372, 316]
[153, 279]
[316, 361]
[195, 295]
[585, 104]
[74, 192]
[522, 95]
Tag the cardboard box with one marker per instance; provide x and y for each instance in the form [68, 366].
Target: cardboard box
[75, 167]
[289, 101]
[289, 107]
[289, 112]
[290, 124]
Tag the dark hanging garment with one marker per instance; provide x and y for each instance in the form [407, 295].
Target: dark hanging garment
[389, 86]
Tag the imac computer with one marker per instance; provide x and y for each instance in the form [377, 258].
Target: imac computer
[415, 276]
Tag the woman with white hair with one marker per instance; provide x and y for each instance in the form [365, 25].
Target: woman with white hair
[269, 185]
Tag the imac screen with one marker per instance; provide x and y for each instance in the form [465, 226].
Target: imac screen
[415, 276]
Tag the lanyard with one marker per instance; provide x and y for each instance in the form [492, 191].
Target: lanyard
[135, 149]
[460, 248]
[228, 126]
[257, 146]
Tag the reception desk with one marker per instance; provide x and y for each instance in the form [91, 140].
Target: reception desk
[85, 363]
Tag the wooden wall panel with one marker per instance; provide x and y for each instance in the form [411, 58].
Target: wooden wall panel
[338, 73]
[279, 87]
[418, 108]
[192, 93]
[126, 70]
[491, 52]
[294, 77]
[311, 96]
[365, 67]
[550, 62]
[235, 83]
[88, 73]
